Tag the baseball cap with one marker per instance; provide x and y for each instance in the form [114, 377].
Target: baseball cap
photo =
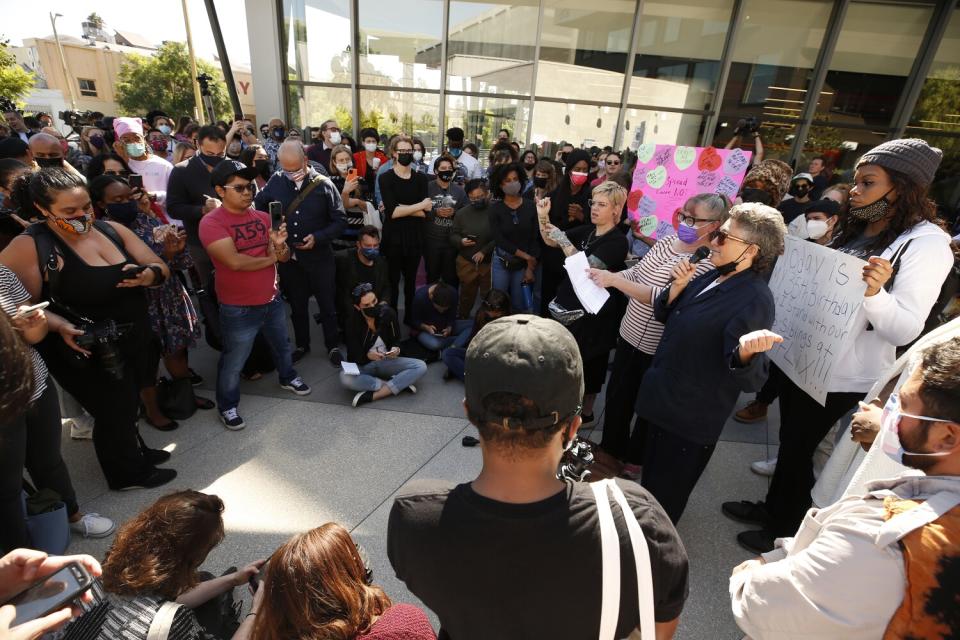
[228, 168]
[533, 357]
[803, 176]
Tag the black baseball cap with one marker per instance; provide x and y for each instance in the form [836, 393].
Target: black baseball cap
[229, 168]
[13, 147]
[533, 357]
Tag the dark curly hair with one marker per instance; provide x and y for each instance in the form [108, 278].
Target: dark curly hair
[160, 550]
[501, 172]
[41, 188]
[16, 373]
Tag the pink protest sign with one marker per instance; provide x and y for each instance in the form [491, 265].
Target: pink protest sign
[667, 175]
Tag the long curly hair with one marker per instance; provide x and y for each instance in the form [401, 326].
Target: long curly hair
[316, 589]
[160, 550]
[911, 207]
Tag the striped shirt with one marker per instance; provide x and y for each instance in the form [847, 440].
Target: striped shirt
[12, 295]
[638, 326]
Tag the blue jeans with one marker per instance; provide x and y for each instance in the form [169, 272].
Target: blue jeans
[510, 281]
[438, 343]
[240, 325]
[396, 373]
[456, 359]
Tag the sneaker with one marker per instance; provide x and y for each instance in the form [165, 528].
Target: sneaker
[411, 389]
[297, 354]
[632, 472]
[81, 427]
[232, 420]
[757, 541]
[753, 412]
[764, 467]
[93, 525]
[148, 480]
[364, 397]
[335, 357]
[297, 386]
[746, 511]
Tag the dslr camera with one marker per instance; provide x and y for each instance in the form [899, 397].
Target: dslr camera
[102, 340]
[750, 124]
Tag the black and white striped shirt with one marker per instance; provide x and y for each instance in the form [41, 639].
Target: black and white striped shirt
[12, 295]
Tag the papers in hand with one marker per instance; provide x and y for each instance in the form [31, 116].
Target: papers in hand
[350, 368]
[591, 296]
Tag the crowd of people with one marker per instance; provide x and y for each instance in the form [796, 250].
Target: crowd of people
[125, 247]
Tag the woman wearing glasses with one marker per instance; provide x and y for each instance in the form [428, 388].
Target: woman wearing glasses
[612, 165]
[640, 332]
[715, 337]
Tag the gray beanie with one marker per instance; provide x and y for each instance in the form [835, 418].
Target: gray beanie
[912, 157]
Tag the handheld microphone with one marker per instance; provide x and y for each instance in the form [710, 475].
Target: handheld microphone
[699, 255]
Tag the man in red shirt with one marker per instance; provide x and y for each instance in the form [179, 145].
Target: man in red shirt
[245, 252]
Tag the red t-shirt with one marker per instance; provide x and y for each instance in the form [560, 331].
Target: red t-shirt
[250, 232]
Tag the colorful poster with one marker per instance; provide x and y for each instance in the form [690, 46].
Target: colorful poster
[667, 175]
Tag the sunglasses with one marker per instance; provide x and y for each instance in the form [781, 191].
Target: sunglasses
[722, 236]
[250, 187]
[613, 163]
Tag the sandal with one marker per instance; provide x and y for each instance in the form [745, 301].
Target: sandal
[204, 404]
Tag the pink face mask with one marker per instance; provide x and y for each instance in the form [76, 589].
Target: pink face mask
[577, 177]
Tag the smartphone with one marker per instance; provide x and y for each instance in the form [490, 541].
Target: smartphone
[131, 274]
[276, 209]
[51, 593]
[135, 180]
[31, 310]
[351, 175]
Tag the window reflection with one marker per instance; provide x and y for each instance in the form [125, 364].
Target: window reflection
[938, 107]
[642, 126]
[409, 112]
[580, 124]
[481, 118]
[400, 44]
[840, 147]
[317, 38]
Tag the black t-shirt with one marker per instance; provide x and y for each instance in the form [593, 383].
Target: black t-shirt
[402, 236]
[611, 248]
[791, 209]
[491, 569]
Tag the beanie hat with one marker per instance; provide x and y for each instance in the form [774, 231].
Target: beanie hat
[912, 157]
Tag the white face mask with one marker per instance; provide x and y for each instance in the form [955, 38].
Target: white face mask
[890, 431]
[816, 229]
[370, 146]
[343, 167]
[335, 137]
[417, 156]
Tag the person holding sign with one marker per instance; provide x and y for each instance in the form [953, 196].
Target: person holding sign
[606, 248]
[890, 225]
[713, 348]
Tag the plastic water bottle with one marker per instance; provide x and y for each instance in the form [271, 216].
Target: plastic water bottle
[527, 289]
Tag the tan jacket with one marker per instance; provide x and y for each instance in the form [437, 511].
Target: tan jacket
[842, 576]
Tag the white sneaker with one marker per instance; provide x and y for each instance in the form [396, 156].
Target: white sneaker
[764, 467]
[232, 420]
[93, 525]
[81, 427]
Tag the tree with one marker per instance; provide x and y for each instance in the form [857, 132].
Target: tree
[95, 19]
[162, 81]
[15, 81]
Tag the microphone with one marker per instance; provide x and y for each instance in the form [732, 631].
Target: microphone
[699, 255]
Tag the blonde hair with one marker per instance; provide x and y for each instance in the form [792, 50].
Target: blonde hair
[616, 193]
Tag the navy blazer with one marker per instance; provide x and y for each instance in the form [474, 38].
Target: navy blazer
[320, 214]
[695, 378]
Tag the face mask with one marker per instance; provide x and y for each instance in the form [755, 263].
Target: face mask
[296, 176]
[479, 204]
[799, 191]
[511, 188]
[405, 158]
[123, 212]
[49, 163]
[689, 235]
[873, 211]
[263, 166]
[335, 137]
[578, 177]
[371, 312]
[97, 142]
[529, 165]
[343, 167]
[417, 156]
[164, 129]
[211, 161]
[370, 146]
[159, 146]
[730, 267]
[816, 229]
[278, 133]
[78, 224]
[135, 149]
[455, 151]
[540, 182]
[446, 176]
[890, 431]
[371, 253]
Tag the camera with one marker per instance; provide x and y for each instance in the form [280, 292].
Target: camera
[101, 339]
[575, 460]
[77, 119]
[750, 124]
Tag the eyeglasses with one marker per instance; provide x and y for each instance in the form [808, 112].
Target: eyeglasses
[690, 221]
[250, 187]
[597, 203]
[722, 236]
[613, 163]
[361, 290]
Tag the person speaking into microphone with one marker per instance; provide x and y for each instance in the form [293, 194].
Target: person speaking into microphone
[714, 344]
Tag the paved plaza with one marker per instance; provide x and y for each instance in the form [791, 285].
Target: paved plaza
[304, 461]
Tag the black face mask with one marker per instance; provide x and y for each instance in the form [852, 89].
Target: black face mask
[539, 181]
[446, 176]
[479, 204]
[371, 312]
[750, 194]
[730, 267]
[49, 163]
[210, 161]
[278, 133]
[405, 158]
[263, 166]
[799, 191]
[529, 165]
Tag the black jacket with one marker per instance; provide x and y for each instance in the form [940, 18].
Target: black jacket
[320, 214]
[695, 378]
[360, 339]
[348, 277]
[189, 182]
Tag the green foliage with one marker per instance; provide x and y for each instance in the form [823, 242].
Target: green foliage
[163, 81]
[95, 19]
[15, 81]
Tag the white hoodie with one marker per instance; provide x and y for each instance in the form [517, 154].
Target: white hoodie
[897, 315]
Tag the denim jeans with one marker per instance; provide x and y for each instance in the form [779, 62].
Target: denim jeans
[456, 359]
[396, 373]
[510, 281]
[439, 343]
[240, 325]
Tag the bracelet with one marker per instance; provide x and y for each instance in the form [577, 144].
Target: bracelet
[252, 613]
[158, 277]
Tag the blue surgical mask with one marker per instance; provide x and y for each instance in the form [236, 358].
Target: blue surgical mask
[455, 151]
[123, 212]
[136, 149]
[371, 254]
[164, 129]
[688, 235]
[890, 431]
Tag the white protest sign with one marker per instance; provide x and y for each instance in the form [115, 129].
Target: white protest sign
[817, 291]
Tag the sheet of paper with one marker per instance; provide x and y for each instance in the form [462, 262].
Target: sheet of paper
[350, 368]
[590, 295]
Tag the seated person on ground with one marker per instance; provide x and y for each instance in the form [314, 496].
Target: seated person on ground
[362, 263]
[494, 304]
[435, 315]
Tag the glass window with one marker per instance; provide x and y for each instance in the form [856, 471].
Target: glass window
[311, 106]
[945, 189]
[88, 87]
[659, 127]
[773, 57]
[410, 112]
[841, 148]
[680, 43]
[400, 44]
[583, 52]
[317, 38]
[491, 46]
[938, 107]
[875, 53]
[482, 118]
[579, 124]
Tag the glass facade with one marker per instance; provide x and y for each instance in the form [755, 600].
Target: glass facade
[822, 77]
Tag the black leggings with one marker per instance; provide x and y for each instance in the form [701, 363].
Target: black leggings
[31, 442]
[406, 266]
[629, 365]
